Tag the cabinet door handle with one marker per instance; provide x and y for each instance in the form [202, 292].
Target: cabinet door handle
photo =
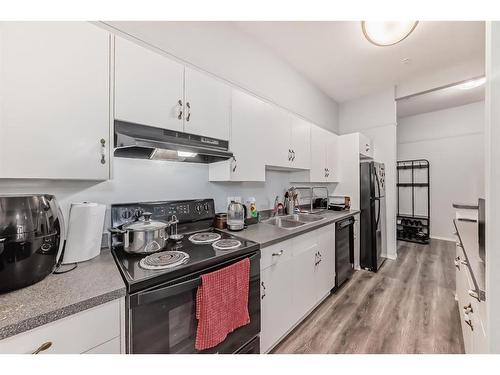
[263, 290]
[278, 254]
[289, 155]
[473, 294]
[469, 323]
[293, 155]
[464, 262]
[457, 262]
[234, 164]
[43, 347]
[468, 309]
[103, 151]
[188, 111]
[179, 110]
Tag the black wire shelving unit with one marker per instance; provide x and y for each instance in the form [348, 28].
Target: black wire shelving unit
[410, 226]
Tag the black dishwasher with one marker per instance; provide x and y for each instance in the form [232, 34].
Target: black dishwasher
[344, 251]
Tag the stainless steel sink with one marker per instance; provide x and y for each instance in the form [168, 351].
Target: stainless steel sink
[307, 218]
[293, 221]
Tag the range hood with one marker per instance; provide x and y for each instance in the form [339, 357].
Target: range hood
[139, 141]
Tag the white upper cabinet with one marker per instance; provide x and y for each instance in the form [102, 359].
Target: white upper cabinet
[247, 126]
[148, 87]
[332, 162]
[319, 138]
[324, 162]
[365, 146]
[54, 100]
[287, 141]
[207, 105]
[300, 143]
[277, 136]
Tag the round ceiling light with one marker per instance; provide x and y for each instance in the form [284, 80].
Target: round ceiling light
[387, 33]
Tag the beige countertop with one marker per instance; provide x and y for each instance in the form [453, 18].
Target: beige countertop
[267, 235]
[92, 283]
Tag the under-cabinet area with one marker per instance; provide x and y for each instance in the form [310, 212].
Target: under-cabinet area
[235, 187]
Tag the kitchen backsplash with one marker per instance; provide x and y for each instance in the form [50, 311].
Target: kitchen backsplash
[147, 180]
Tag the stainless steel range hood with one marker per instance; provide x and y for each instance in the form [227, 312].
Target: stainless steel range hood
[146, 142]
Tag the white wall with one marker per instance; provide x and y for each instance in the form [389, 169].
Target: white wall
[229, 53]
[367, 112]
[492, 176]
[375, 116]
[453, 142]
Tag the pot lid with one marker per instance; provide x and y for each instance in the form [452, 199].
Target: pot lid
[145, 224]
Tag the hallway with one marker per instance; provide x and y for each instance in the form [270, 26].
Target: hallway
[407, 307]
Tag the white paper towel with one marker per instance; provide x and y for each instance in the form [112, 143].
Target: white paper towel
[83, 242]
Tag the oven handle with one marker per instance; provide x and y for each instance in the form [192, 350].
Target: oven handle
[171, 290]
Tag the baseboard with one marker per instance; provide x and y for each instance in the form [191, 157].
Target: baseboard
[443, 238]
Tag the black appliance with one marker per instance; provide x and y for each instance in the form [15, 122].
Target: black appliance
[139, 141]
[161, 304]
[344, 251]
[482, 228]
[372, 216]
[30, 239]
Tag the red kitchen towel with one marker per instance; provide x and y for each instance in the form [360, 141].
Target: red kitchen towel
[222, 304]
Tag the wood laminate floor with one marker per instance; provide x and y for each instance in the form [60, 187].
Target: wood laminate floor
[407, 307]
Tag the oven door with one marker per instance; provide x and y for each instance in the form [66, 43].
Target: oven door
[162, 319]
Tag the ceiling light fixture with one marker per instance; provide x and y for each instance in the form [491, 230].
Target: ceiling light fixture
[387, 33]
[472, 84]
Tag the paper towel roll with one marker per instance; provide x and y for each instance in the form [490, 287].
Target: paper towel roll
[83, 242]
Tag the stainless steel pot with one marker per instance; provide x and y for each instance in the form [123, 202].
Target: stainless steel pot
[143, 236]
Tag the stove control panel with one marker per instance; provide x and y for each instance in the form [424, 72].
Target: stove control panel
[186, 211]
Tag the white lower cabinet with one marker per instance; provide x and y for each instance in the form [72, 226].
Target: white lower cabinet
[276, 294]
[295, 276]
[471, 311]
[96, 330]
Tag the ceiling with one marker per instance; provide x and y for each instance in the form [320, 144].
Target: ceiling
[439, 99]
[336, 57]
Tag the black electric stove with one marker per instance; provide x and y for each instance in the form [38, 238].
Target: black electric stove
[161, 303]
[194, 216]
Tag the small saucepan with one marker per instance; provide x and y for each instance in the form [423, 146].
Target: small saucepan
[143, 236]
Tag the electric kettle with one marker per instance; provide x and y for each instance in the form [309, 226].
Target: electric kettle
[236, 214]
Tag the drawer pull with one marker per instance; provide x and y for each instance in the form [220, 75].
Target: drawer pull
[278, 254]
[468, 309]
[474, 294]
[469, 323]
[43, 347]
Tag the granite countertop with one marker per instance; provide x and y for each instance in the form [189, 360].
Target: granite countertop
[267, 235]
[467, 231]
[92, 283]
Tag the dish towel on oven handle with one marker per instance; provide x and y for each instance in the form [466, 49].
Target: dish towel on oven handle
[222, 303]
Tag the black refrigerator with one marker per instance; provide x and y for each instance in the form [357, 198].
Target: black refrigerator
[372, 217]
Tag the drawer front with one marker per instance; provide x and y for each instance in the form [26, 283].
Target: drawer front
[74, 334]
[110, 347]
[306, 241]
[274, 254]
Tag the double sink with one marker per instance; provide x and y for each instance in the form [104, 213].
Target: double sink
[293, 221]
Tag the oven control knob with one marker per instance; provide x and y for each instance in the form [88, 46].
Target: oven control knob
[207, 207]
[198, 208]
[127, 214]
